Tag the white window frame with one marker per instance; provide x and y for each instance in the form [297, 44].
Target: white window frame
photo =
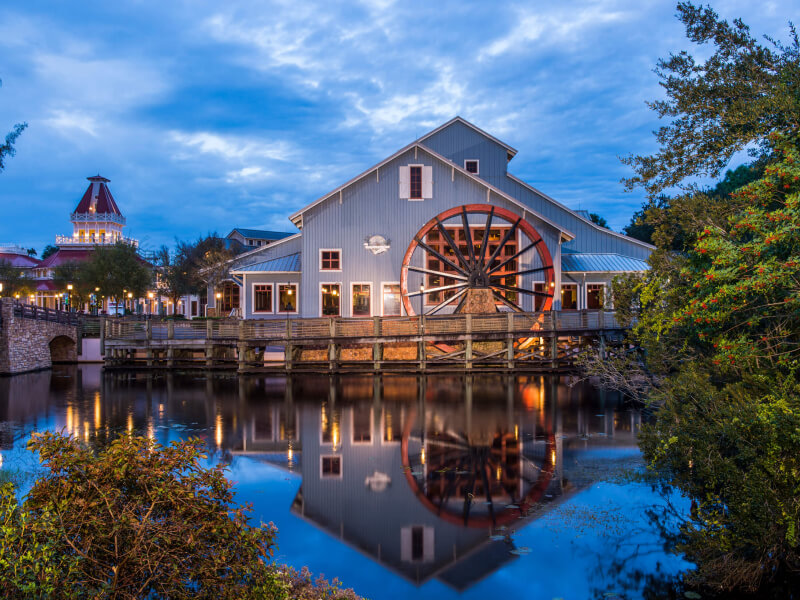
[296, 295]
[397, 439]
[586, 293]
[402, 308]
[476, 161]
[577, 295]
[341, 466]
[422, 176]
[272, 298]
[341, 298]
[371, 428]
[533, 288]
[371, 295]
[339, 250]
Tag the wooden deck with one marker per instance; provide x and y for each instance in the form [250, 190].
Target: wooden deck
[542, 341]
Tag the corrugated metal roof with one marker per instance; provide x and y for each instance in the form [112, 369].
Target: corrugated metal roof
[601, 263]
[262, 234]
[284, 264]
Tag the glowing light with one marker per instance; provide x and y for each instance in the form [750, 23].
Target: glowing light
[150, 295]
[86, 431]
[499, 474]
[218, 431]
[97, 414]
[516, 432]
[130, 422]
[69, 419]
[553, 457]
[422, 455]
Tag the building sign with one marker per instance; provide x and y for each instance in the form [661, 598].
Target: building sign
[377, 244]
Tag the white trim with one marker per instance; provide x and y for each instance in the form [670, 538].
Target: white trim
[371, 306]
[321, 270]
[577, 294]
[476, 161]
[323, 284]
[586, 285]
[296, 285]
[577, 216]
[402, 418]
[271, 298]
[371, 428]
[341, 466]
[383, 283]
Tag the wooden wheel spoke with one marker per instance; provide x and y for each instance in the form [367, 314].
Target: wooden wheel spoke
[468, 235]
[506, 301]
[440, 273]
[525, 272]
[485, 240]
[447, 301]
[440, 256]
[519, 290]
[437, 289]
[510, 258]
[511, 231]
[451, 242]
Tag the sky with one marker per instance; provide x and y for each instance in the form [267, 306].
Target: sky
[209, 115]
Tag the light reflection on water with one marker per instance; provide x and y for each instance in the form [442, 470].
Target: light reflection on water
[399, 486]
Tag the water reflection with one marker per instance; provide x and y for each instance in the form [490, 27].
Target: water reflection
[432, 478]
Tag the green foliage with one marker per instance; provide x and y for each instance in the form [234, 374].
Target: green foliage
[14, 282]
[133, 520]
[75, 274]
[7, 149]
[598, 220]
[49, 250]
[116, 268]
[734, 99]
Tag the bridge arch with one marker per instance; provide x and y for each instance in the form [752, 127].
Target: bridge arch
[62, 349]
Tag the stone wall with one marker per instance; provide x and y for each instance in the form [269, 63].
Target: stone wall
[28, 345]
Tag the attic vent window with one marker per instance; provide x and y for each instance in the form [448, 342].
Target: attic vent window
[416, 183]
[471, 166]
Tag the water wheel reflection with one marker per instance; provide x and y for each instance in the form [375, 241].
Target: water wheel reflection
[476, 481]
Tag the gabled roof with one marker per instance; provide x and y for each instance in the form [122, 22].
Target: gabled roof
[260, 234]
[23, 261]
[295, 218]
[65, 256]
[511, 151]
[284, 264]
[601, 263]
[105, 201]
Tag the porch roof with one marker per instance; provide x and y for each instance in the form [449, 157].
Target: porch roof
[601, 263]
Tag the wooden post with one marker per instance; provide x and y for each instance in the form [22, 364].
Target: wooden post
[376, 345]
[209, 330]
[288, 349]
[422, 353]
[554, 349]
[170, 330]
[510, 341]
[102, 336]
[149, 339]
[332, 344]
[468, 343]
[241, 348]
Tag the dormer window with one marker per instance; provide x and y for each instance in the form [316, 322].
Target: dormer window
[471, 166]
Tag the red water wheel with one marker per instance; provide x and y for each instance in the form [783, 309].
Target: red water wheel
[456, 259]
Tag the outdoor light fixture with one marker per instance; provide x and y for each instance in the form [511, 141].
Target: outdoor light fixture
[97, 289]
[218, 295]
[150, 295]
[130, 295]
[69, 287]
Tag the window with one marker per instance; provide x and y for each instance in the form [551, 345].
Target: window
[331, 299]
[595, 295]
[362, 425]
[331, 466]
[330, 260]
[416, 183]
[569, 296]
[471, 166]
[391, 300]
[362, 305]
[416, 543]
[287, 298]
[435, 240]
[538, 301]
[262, 298]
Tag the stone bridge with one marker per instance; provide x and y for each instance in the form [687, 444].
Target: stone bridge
[34, 338]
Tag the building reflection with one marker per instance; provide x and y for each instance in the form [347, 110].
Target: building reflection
[430, 477]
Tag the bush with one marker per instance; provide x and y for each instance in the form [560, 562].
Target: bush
[133, 520]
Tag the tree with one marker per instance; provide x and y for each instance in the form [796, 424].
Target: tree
[733, 100]
[49, 250]
[598, 220]
[117, 270]
[74, 274]
[14, 281]
[176, 272]
[7, 149]
[31, 251]
[132, 520]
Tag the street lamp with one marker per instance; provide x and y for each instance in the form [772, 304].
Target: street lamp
[69, 296]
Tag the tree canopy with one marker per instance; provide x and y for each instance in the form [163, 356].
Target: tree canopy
[7, 149]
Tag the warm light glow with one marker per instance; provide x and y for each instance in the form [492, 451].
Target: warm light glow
[553, 457]
[97, 289]
[289, 292]
[130, 422]
[97, 412]
[499, 474]
[553, 284]
[218, 431]
[218, 295]
[69, 287]
[130, 295]
[516, 432]
[86, 431]
[69, 419]
[422, 455]
[150, 295]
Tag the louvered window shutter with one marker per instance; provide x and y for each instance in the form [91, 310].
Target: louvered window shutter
[427, 545]
[405, 535]
[405, 182]
[427, 182]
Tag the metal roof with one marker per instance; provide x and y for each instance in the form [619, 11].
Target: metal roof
[601, 263]
[284, 264]
[261, 234]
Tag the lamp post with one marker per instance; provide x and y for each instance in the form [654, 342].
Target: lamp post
[69, 297]
[1, 290]
[150, 296]
[130, 297]
[218, 296]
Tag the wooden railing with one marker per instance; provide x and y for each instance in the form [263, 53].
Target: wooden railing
[38, 313]
[563, 322]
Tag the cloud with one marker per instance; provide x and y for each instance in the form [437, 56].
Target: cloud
[69, 122]
[230, 147]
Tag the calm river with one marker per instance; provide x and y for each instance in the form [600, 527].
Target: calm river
[402, 487]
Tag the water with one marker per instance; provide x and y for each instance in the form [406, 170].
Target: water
[402, 487]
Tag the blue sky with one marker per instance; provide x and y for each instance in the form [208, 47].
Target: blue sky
[207, 115]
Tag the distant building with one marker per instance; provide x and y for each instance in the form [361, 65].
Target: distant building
[252, 238]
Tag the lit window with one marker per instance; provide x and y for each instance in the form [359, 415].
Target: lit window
[287, 298]
[361, 300]
[471, 166]
[331, 466]
[416, 183]
[331, 300]
[330, 260]
[391, 300]
[569, 296]
[538, 299]
[262, 298]
[595, 295]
